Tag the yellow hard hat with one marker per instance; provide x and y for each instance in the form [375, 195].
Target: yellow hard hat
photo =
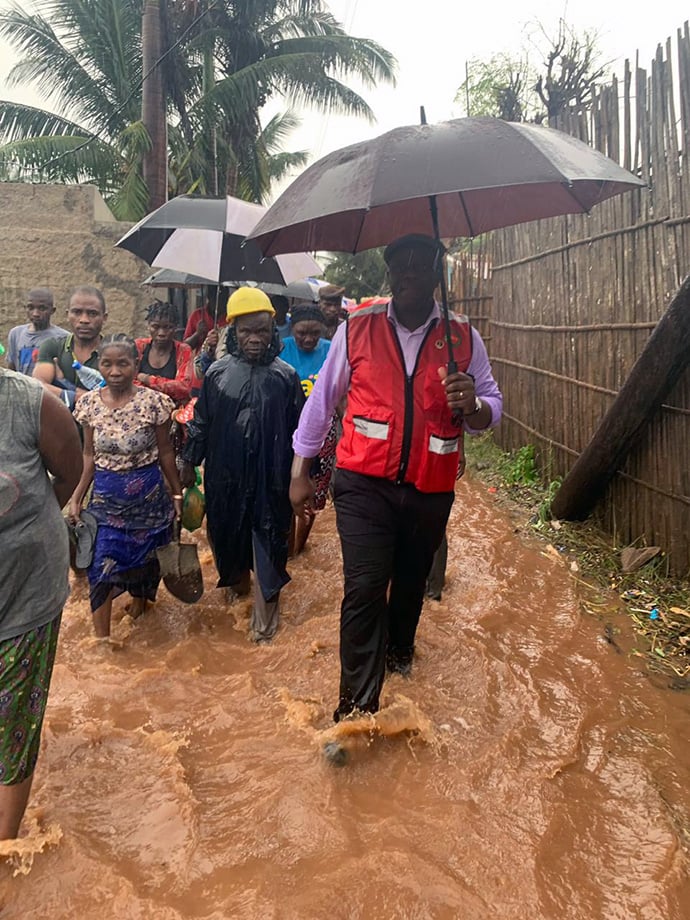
[248, 300]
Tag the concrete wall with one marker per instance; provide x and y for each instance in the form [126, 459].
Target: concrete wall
[60, 236]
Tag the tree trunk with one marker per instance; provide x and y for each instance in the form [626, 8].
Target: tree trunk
[155, 165]
[209, 80]
[662, 361]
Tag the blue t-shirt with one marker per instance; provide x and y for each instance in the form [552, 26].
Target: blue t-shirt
[23, 345]
[306, 363]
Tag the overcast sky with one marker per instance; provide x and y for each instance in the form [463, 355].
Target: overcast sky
[432, 40]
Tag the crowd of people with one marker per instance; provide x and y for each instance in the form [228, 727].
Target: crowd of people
[285, 404]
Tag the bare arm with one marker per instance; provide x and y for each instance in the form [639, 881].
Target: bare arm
[60, 447]
[86, 476]
[166, 459]
[45, 372]
[196, 339]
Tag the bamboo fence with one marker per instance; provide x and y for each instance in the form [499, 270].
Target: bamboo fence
[572, 301]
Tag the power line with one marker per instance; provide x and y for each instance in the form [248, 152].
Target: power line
[348, 21]
[98, 135]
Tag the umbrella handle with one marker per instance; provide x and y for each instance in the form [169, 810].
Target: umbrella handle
[457, 416]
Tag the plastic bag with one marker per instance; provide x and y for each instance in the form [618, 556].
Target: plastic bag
[193, 505]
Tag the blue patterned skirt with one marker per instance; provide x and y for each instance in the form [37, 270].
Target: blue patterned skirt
[134, 514]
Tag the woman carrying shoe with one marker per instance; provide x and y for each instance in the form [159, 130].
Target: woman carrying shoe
[127, 450]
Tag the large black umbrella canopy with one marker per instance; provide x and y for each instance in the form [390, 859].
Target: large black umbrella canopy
[206, 237]
[484, 173]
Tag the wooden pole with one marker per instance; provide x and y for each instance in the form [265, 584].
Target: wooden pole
[660, 364]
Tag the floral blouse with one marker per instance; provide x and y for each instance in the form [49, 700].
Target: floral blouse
[124, 438]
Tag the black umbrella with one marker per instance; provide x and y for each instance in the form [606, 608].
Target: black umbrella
[456, 178]
[206, 237]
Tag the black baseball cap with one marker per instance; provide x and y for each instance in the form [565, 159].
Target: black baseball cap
[413, 241]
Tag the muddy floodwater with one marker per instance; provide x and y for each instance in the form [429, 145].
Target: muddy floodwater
[529, 769]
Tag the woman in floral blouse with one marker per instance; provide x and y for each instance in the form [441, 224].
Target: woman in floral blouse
[127, 450]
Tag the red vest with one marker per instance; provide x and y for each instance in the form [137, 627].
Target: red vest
[398, 427]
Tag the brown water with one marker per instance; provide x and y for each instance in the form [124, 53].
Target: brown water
[181, 775]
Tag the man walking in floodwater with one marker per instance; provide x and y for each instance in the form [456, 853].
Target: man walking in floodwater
[242, 430]
[397, 460]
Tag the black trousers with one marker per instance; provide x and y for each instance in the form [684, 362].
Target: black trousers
[389, 534]
[436, 578]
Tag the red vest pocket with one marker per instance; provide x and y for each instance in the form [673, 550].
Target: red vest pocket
[367, 441]
[439, 460]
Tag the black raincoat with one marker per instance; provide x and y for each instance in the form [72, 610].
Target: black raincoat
[242, 430]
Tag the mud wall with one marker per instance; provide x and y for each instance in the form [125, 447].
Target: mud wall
[60, 236]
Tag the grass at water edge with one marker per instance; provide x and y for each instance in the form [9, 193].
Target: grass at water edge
[657, 604]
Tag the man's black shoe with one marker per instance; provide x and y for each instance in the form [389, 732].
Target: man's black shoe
[399, 661]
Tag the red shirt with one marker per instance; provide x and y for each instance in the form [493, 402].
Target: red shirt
[179, 389]
[207, 316]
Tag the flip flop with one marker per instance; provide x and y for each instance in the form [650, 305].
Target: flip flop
[85, 532]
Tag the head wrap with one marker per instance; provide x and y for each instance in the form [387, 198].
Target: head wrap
[303, 312]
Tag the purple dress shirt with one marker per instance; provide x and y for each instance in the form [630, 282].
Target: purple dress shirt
[334, 380]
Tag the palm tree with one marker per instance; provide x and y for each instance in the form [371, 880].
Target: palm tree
[362, 274]
[292, 49]
[86, 61]
[223, 62]
[153, 108]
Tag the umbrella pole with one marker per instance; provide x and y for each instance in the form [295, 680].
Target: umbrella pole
[215, 317]
[452, 363]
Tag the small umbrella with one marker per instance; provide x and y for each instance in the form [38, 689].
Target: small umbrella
[205, 237]
[457, 178]
[169, 278]
[298, 290]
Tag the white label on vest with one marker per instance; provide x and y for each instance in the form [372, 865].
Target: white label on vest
[443, 445]
[370, 428]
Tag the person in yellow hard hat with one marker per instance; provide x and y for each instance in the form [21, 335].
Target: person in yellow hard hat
[245, 416]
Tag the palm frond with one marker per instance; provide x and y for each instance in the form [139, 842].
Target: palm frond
[282, 164]
[131, 198]
[56, 71]
[299, 78]
[343, 56]
[61, 159]
[276, 131]
[19, 121]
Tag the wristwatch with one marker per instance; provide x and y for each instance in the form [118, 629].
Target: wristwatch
[478, 405]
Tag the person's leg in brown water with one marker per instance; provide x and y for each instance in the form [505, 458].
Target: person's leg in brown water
[265, 614]
[27, 666]
[101, 617]
[239, 588]
[302, 530]
[436, 578]
[13, 801]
